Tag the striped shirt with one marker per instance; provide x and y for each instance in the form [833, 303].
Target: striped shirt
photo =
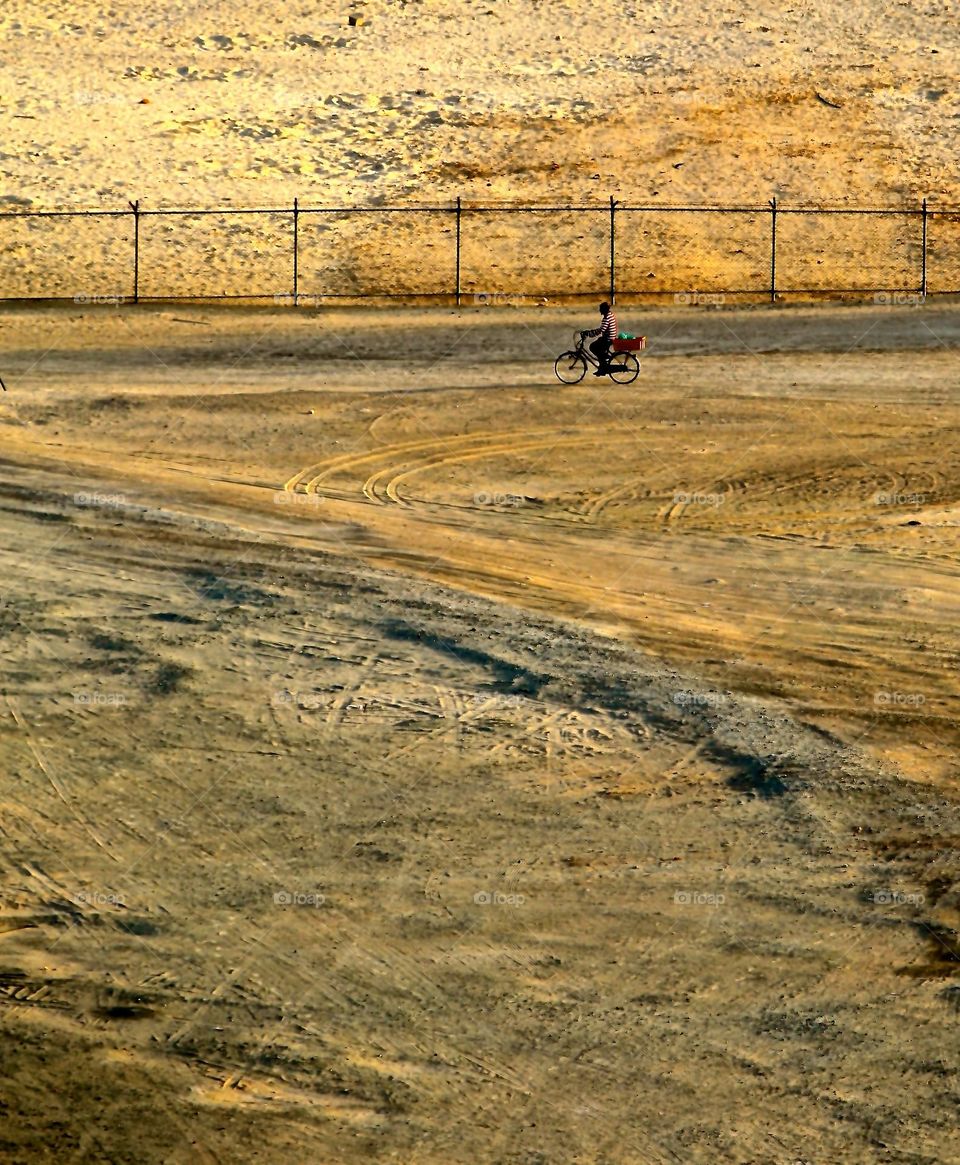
[608, 329]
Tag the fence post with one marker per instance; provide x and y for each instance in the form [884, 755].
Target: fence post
[613, 250]
[296, 252]
[135, 207]
[773, 249]
[459, 218]
[923, 249]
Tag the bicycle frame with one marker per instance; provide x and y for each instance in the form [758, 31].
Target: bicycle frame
[581, 346]
[571, 366]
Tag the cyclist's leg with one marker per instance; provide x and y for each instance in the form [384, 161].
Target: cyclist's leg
[601, 349]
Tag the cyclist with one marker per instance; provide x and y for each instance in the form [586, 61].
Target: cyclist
[607, 333]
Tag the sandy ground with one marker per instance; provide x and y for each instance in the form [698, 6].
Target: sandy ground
[245, 104]
[407, 758]
[244, 100]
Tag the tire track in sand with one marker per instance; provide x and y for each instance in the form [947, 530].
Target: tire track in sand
[382, 484]
[310, 477]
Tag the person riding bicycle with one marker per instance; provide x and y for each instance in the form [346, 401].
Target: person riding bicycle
[607, 333]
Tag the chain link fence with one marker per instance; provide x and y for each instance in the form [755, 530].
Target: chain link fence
[520, 253]
[382, 253]
[942, 257]
[469, 253]
[855, 250]
[213, 254]
[67, 256]
[702, 252]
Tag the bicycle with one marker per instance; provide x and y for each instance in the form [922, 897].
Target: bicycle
[571, 366]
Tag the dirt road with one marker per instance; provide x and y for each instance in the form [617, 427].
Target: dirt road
[408, 758]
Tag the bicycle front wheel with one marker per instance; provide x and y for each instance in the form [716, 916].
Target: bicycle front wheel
[624, 368]
[570, 367]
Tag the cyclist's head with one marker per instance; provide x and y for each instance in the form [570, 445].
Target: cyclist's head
[604, 307]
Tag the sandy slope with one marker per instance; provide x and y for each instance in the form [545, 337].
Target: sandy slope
[248, 101]
[408, 759]
[244, 104]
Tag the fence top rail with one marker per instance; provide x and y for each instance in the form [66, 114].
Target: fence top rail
[606, 207]
[460, 206]
[222, 210]
[757, 209]
[904, 210]
[301, 209]
[449, 208]
[65, 213]
[781, 209]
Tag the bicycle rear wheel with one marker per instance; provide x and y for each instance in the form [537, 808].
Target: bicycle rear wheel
[624, 367]
[570, 367]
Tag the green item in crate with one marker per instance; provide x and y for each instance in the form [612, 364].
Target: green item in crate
[626, 336]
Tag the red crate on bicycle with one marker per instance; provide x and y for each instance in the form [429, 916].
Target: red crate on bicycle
[634, 345]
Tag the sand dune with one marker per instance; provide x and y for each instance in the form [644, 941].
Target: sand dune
[244, 105]
[248, 102]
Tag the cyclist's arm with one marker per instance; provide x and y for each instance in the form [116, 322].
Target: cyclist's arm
[592, 332]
